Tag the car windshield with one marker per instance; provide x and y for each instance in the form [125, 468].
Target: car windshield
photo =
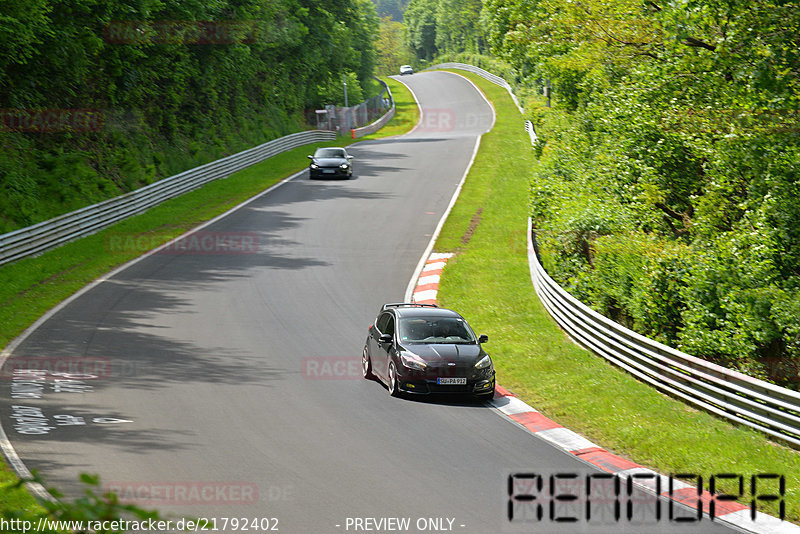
[329, 153]
[435, 330]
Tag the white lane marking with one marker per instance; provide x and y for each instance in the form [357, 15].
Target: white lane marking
[413, 282]
[110, 421]
[763, 524]
[426, 254]
[494, 114]
[5, 444]
[416, 101]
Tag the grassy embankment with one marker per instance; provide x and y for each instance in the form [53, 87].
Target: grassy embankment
[30, 287]
[489, 282]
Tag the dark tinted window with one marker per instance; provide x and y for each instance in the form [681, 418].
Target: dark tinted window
[329, 153]
[435, 330]
[390, 326]
[382, 321]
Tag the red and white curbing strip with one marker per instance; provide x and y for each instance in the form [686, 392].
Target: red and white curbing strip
[428, 281]
[507, 403]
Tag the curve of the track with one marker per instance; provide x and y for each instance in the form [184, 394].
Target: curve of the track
[242, 369]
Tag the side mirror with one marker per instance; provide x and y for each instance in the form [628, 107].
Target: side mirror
[483, 338]
[386, 338]
[351, 157]
[310, 157]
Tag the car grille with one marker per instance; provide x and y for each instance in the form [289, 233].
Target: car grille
[444, 369]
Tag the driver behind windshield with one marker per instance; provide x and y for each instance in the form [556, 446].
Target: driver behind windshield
[440, 331]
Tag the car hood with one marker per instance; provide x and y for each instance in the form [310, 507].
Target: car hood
[446, 352]
[330, 162]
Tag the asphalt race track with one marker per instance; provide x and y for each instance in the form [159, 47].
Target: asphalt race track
[226, 383]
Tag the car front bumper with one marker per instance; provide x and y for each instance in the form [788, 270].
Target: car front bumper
[330, 172]
[419, 385]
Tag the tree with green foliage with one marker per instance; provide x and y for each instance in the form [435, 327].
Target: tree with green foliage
[444, 27]
[420, 21]
[391, 8]
[668, 190]
[175, 83]
[391, 46]
[458, 26]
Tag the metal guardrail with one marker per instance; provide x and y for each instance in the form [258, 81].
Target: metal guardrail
[729, 394]
[497, 80]
[735, 396]
[85, 221]
[380, 123]
[531, 131]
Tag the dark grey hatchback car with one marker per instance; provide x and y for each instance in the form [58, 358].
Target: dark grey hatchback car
[330, 162]
[423, 349]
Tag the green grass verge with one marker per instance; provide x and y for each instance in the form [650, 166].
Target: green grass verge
[489, 283]
[406, 111]
[30, 287]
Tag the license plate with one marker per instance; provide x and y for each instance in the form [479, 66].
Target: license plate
[451, 381]
[328, 171]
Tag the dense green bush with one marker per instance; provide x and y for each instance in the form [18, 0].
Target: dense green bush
[668, 190]
[701, 256]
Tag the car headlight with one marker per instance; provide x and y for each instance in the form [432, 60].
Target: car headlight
[484, 362]
[412, 362]
[314, 166]
[344, 166]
